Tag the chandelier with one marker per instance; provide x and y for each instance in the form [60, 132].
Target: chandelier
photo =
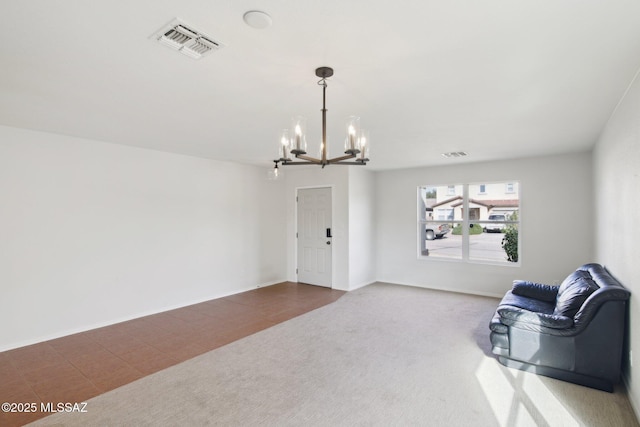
[356, 143]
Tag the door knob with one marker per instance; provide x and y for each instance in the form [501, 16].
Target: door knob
[328, 243]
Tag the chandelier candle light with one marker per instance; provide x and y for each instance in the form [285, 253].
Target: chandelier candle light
[356, 143]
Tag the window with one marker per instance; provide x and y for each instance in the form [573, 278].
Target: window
[470, 222]
[509, 187]
[444, 214]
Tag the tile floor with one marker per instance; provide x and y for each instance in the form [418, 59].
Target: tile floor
[78, 367]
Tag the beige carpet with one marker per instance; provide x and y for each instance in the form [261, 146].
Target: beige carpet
[384, 355]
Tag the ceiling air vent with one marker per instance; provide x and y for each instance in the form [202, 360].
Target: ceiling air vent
[193, 43]
[455, 154]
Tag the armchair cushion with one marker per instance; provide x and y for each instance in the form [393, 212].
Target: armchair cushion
[515, 314]
[571, 297]
[529, 304]
[535, 290]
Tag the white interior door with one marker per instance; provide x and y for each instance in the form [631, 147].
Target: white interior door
[314, 236]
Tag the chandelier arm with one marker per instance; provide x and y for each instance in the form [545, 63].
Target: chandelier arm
[335, 161]
[341, 158]
[309, 159]
[292, 163]
[356, 163]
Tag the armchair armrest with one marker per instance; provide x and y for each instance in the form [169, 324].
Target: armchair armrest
[515, 314]
[538, 291]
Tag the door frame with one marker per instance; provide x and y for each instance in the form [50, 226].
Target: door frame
[295, 213]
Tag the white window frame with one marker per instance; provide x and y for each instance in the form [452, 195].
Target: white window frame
[464, 222]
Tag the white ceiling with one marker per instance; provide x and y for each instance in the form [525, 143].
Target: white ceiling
[495, 78]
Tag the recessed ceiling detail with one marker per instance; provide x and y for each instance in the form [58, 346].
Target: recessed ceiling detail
[183, 38]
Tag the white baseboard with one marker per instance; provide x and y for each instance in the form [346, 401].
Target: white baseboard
[459, 291]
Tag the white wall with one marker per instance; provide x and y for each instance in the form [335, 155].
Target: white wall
[94, 233]
[617, 203]
[362, 242]
[556, 230]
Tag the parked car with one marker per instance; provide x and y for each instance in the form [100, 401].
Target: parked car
[436, 231]
[497, 227]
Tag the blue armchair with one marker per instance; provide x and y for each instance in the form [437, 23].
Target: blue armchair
[574, 332]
